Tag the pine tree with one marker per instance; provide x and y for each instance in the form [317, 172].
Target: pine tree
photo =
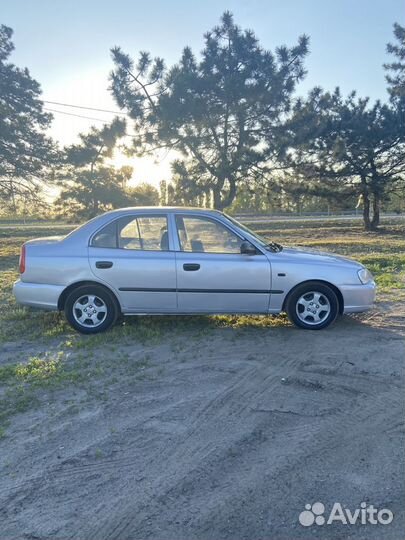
[221, 112]
[350, 147]
[396, 70]
[25, 151]
[89, 184]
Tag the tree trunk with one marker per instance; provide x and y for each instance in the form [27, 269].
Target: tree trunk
[13, 203]
[366, 211]
[298, 207]
[94, 208]
[376, 212]
[217, 199]
[377, 184]
[219, 202]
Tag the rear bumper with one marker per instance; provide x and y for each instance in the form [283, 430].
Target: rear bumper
[358, 298]
[37, 295]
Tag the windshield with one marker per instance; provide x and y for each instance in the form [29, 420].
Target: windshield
[272, 246]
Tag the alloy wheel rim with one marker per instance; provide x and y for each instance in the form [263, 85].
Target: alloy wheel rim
[313, 308]
[89, 311]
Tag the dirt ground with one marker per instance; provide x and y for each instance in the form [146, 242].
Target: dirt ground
[227, 435]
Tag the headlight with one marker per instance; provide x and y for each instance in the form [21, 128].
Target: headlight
[365, 276]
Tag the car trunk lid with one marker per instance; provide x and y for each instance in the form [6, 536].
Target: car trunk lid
[44, 240]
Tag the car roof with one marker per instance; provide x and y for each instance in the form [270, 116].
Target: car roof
[157, 209]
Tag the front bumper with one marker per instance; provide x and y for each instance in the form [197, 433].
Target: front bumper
[358, 298]
[37, 295]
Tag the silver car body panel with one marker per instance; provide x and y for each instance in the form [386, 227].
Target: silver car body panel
[37, 295]
[224, 283]
[138, 276]
[155, 281]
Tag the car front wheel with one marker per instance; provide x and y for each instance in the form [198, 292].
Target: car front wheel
[312, 306]
[91, 309]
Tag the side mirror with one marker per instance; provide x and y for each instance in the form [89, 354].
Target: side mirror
[246, 248]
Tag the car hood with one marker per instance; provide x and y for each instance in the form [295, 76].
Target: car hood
[313, 256]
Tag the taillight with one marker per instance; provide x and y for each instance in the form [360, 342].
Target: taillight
[22, 259]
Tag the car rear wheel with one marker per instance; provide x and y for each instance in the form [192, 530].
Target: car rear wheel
[312, 306]
[91, 309]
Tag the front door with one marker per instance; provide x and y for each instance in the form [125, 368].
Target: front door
[212, 274]
[132, 254]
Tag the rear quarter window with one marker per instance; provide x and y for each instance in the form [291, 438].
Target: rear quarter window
[106, 237]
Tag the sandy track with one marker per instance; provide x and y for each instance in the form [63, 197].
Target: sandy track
[239, 432]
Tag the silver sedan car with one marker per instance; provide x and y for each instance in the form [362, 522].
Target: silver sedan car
[184, 261]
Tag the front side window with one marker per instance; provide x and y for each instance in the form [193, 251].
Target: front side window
[203, 235]
[147, 233]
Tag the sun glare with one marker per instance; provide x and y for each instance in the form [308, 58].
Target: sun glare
[120, 160]
[146, 169]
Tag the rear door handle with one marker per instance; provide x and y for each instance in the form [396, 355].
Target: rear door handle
[104, 264]
[191, 267]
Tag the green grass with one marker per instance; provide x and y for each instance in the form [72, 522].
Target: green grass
[21, 383]
[28, 384]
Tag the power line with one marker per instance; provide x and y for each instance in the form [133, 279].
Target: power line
[130, 135]
[83, 107]
[77, 115]
[127, 135]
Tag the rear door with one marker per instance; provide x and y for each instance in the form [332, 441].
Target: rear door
[212, 274]
[133, 255]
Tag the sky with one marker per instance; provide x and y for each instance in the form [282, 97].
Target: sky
[66, 46]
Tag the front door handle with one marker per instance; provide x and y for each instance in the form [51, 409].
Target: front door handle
[191, 267]
[104, 264]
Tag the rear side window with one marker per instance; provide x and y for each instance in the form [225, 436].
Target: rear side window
[147, 233]
[137, 233]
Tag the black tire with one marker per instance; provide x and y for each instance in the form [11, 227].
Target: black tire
[102, 299]
[299, 306]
